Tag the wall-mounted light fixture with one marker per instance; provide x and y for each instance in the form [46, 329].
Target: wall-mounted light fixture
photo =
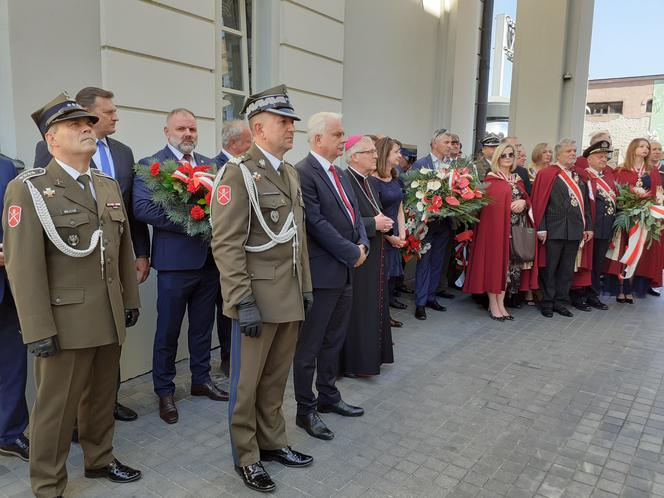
[567, 76]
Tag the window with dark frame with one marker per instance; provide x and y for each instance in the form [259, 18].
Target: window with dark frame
[604, 108]
[649, 105]
[234, 52]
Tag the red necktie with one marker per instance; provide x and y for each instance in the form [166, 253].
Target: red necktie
[342, 193]
[188, 158]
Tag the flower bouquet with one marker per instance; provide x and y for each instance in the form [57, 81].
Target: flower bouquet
[639, 215]
[637, 207]
[183, 191]
[434, 194]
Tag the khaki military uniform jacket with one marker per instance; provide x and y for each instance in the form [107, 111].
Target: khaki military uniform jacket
[60, 295]
[269, 275]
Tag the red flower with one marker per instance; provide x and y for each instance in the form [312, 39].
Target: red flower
[463, 182]
[436, 204]
[208, 196]
[192, 187]
[197, 213]
[452, 201]
[478, 194]
[467, 194]
[154, 169]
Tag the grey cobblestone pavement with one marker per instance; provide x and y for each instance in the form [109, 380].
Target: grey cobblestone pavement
[471, 407]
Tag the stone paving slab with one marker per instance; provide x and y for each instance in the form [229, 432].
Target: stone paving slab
[472, 407]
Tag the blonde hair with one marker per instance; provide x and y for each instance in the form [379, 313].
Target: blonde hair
[495, 160]
[538, 153]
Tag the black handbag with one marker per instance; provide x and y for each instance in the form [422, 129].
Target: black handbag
[523, 241]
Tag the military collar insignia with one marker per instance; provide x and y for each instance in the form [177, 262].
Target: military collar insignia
[256, 176]
[59, 183]
[48, 192]
[261, 163]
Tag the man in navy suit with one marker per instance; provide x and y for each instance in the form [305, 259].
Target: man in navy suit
[13, 356]
[187, 277]
[116, 160]
[430, 265]
[337, 242]
[235, 141]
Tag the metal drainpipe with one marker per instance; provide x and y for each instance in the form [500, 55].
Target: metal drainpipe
[483, 73]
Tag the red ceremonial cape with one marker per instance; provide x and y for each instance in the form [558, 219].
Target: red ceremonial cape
[490, 250]
[540, 198]
[652, 260]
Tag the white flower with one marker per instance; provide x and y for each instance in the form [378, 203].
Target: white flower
[442, 174]
[425, 171]
[420, 206]
[419, 194]
[434, 185]
[415, 184]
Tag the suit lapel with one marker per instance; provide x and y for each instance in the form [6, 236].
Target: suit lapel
[269, 171]
[72, 189]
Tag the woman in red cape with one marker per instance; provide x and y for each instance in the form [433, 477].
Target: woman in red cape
[637, 171]
[489, 260]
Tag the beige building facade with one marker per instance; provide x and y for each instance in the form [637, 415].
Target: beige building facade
[398, 67]
[621, 106]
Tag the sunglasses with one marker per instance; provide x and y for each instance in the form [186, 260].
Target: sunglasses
[507, 155]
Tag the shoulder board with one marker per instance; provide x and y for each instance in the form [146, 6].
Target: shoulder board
[101, 173]
[31, 173]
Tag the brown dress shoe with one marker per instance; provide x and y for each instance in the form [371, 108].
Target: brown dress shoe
[210, 390]
[167, 410]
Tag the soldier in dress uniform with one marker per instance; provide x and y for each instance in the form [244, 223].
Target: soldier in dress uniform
[70, 263]
[260, 246]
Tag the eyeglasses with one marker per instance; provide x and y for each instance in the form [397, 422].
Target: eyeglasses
[370, 151]
[507, 155]
[455, 142]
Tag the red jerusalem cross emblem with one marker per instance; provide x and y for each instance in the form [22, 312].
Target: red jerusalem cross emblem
[224, 194]
[13, 216]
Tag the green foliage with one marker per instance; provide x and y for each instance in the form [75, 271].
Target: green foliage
[172, 196]
[634, 208]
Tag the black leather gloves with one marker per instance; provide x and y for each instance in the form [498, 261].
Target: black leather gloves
[249, 317]
[131, 317]
[44, 347]
[308, 301]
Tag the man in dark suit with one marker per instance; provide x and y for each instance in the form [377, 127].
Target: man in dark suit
[337, 243]
[561, 211]
[187, 277]
[235, 141]
[13, 355]
[116, 160]
[430, 266]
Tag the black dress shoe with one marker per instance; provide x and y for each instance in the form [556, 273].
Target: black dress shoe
[124, 414]
[287, 456]
[395, 323]
[114, 471]
[597, 304]
[341, 408]
[167, 409]
[19, 448]
[314, 425]
[395, 303]
[405, 290]
[255, 477]
[653, 292]
[435, 306]
[210, 390]
[547, 312]
[580, 305]
[445, 295]
[561, 310]
[420, 313]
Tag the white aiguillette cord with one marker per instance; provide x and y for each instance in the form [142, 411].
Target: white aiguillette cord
[53, 235]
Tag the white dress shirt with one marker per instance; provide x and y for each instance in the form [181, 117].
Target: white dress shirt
[179, 155]
[327, 166]
[97, 157]
[74, 173]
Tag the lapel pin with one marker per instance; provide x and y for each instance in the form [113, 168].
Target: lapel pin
[59, 182]
[256, 176]
[261, 162]
[48, 192]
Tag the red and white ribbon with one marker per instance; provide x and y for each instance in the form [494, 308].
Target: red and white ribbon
[636, 242]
